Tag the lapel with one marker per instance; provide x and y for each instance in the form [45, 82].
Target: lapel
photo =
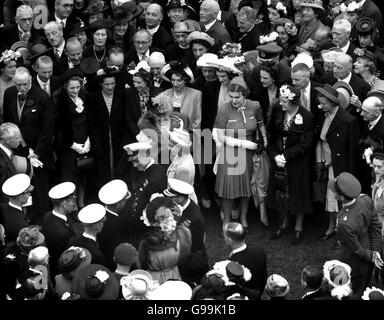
[26, 104]
[336, 122]
[7, 161]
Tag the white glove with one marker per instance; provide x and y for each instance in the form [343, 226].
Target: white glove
[246, 144]
[233, 142]
[280, 161]
[87, 146]
[79, 148]
[33, 158]
[367, 155]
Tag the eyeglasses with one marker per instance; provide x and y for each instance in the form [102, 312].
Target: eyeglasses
[141, 43]
[66, 6]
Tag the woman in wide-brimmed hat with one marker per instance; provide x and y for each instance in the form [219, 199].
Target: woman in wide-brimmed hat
[311, 13]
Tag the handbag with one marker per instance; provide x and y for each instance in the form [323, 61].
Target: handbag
[84, 164]
[280, 178]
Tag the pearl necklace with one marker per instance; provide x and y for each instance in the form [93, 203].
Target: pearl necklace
[102, 58]
[176, 96]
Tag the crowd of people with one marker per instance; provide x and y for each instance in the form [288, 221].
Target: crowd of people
[121, 120]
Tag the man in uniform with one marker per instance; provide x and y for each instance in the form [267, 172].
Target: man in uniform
[57, 225]
[358, 230]
[18, 189]
[152, 179]
[114, 195]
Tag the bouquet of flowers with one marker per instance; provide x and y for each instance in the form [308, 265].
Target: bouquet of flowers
[9, 55]
[285, 92]
[231, 49]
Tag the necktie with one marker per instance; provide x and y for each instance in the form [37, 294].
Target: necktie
[57, 53]
[145, 58]
[21, 99]
[45, 88]
[62, 23]
[304, 100]
[370, 126]
[26, 36]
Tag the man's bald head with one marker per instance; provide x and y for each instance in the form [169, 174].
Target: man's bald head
[23, 80]
[345, 59]
[373, 105]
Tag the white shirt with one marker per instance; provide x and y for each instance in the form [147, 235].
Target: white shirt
[345, 48]
[6, 150]
[86, 235]
[372, 124]
[142, 55]
[219, 16]
[243, 247]
[307, 93]
[149, 164]
[185, 206]
[41, 84]
[59, 215]
[60, 49]
[347, 79]
[111, 212]
[59, 20]
[153, 30]
[209, 25]
[15, 206]
[22, 31]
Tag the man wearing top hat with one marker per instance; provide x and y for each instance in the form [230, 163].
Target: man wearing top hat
[92, 217]
[58, 227]
[31, 109]
[152, 178]
[18, 189]
[114, 195]
[372, 138]
[358, 230]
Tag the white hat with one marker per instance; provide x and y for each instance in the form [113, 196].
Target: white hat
[157, 59]
[205, 58]
[135, 147]
[176, 186]
[172, 290]
[226, 64]
[92, 213]
[303, 57]
[113, 192]
[62, 190]
[141, 65]
[181, 137]
[16, 184]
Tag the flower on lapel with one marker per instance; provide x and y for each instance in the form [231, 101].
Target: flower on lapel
[29, 103]
[298, 119]
[79, 105]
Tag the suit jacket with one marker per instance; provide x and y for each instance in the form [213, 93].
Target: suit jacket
[229, 21]
[60, 66]
[209, 100]
[133, 111]
[219, 33]
[343, 136]
[7, 170]
[54, 83]
[351, 51]
[91, 246]
[57, 233]
[13, 220]
[36, 123]
[10, 34]
[254, 258]
[190, 105]
[71, 20]
[161, 38]
[194, 220]
[250, 40]
[112, 234]
[359, 232]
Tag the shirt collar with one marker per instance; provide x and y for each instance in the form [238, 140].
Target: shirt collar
[61, 47]
[243, 247]
[15, 206]
[153, 30]
[111, 212]
[86, 235]
[21, 30]
[185, 206]
[219, 15]
[310, 292]
[58, 20]
[345, 48]
[6, 150]
[151, 162]
[347, 79]
[142, 55]
[374, 122]
[209, 25]
[60, 215]
[41, 83]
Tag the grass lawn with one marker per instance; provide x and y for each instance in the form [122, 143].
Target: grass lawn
[282, 257]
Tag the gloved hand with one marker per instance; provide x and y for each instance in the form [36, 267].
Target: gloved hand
[34, 159]
[79, 148]
[87, 146]
[246, 144]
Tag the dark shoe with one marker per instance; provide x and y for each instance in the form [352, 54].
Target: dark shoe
[325, 236]
[297, 237]
[279, 233]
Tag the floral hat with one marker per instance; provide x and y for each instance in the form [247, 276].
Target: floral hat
[373, 293]
[95, 282]
[288, 25]
[350, 6]
[289, 92]
[109, 71]
[95, 7]
[73, 259]
[9, 55]
[230, 49]
[277, 286]
[278, 5]
[272, 37]
[338, 275]
[317, 4]
[228, 271]
[176, 66]
[227, 64]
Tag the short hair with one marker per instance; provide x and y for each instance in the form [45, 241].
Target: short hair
[235, 231]
[23, 8]
[38, 256]
[249, 13]
[8, 130]
[302, 67]
[271, 71]
[53, 23]
[142, 31]
[343, 24]
[43, 59]
[71, 42]
[22, 71]
[213, 4]
[313, 277]
[115, 50]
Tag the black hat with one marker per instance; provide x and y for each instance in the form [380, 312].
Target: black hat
[38, 50]
[101, 24]
[329, 92]
[121, 15]
[109, 71]
[269, 50]
[179, 4]
[76, 28]
[95, 7]
[365, 26]
[134, 9]
[89, 66]
[69, 73]
[73, 259]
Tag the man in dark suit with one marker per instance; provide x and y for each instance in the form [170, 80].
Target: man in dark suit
[209, 10]
[44, 77]
[114, 196]
[249, 32]
[18, 189]
[153, 18]
[92, 217]
[57, 225]
[54, 33]
[152, 178]
[63, 14]
[358, 230]
[10, 138]
[179, 49]
[341, 33]
[72, 57]
[372, 137]
[22, 30]
[116, 58]
[31, 109]
[142, 41]
[252, 257]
